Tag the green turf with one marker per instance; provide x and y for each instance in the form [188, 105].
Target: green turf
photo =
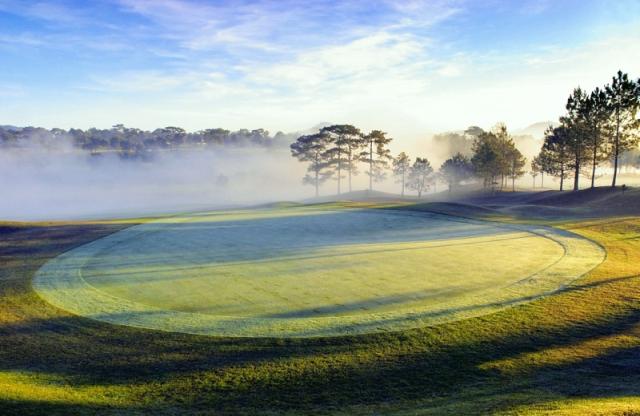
[311, 271]
[574, 353]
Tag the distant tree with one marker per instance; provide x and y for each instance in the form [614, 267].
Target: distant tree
[420, 176]
[556, 155]
[595, 113]
[486, 160]
[455, 170]
[347, 142]
[376, 155]
[534, 172]
[473, 131]
[578, 133]
[451, 143]
[313, 148]
[624, 101]
[495, 157]
[516, 165]
[505, 148]
[401, 165]
[541, 164]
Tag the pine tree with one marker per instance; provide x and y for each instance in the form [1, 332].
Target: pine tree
[376, 155]
[420, 176]
[401, 165]
[624, 100]
[313, 148]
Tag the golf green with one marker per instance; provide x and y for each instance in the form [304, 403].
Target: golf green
[311, 271]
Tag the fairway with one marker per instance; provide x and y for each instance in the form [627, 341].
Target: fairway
[311, 271]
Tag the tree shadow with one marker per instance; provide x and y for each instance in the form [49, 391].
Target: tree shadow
[320, 374]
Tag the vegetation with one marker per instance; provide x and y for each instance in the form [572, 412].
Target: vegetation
[320, 283]
[136, 143]
[496, 157]
[401, 166]
[313, 149]
[455, 170]
[420, 176]
[569, 353]
[598, 126]
[376, 155]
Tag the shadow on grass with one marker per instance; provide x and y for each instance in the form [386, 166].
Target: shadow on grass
[208, 374]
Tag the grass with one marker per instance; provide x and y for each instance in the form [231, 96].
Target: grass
[308, 271]
[576, 352]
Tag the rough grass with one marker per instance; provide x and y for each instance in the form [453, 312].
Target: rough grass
[576, 352]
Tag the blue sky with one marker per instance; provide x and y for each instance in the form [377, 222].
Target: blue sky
[408, 67]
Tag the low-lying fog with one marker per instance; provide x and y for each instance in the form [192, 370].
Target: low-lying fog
[39, 183]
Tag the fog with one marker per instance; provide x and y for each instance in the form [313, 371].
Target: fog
[43, 183]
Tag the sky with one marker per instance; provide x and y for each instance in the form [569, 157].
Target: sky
[406, 67]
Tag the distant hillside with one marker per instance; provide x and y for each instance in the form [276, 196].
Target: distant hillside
[537, 129]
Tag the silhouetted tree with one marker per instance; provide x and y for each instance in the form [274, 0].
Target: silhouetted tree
[401, 165]
[624, 100]
[516, 165]
[596, 113]
[376, 155]
[534, 172]
[420, 176]
[347, 141]
[313, 149]
[578, 133]
[556, 155]
[486, 160]
[456, 169]
[541, 164]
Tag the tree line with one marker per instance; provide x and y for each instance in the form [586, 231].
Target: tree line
[133, 142]
[598, 126]
[337, 152]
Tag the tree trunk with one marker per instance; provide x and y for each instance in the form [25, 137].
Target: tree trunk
[350, 166]
[339, 169]
[595, 160]
[339, 175]
[371, 165]
[542, 179]
[317, 172]
[576, 178]
[617, 149]
[562, 177]
[402, 194]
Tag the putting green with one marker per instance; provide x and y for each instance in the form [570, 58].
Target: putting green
[311, 271]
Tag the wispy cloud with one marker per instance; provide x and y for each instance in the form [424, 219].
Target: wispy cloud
[403, 65]
[52, 12]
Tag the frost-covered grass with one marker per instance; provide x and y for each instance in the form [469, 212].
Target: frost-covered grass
[574, 353]
[311, 271]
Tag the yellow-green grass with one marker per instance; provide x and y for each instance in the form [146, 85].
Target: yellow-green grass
[576, 352]
[311, 271]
